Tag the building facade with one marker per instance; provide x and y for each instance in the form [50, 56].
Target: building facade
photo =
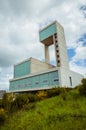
[32, 74]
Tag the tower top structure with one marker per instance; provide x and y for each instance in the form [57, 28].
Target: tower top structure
[54, 34]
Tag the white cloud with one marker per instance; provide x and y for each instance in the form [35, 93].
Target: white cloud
[80, 53]
[77, 68]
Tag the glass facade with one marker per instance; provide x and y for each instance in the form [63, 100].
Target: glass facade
[22, 69]
[47, 32]
[45, 80]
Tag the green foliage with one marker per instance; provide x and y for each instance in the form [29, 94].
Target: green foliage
[84, 82]
[30, 106]
[42, 95]
[64, 96]
[5, 102]
[3, 116]
[0, 103]
[55, 91]
[82, 87]
[61, 112]
[32, 97]
[21, 100]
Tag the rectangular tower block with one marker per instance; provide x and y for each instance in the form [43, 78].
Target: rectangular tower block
[54, 34]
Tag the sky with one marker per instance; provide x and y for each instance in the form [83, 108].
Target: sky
[20, 22]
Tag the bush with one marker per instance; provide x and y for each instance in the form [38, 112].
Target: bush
[13, 106]
[41, 95]
[82, 87]
[54, 92]
[64, 96]
[21, 100]
[5, 102]
[30, 106]
[3, 116]
[0, 103]
[32, 97]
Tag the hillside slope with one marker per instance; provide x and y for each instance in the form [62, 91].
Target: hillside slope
[64, 112]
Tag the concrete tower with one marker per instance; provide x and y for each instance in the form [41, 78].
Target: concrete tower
[54, 34]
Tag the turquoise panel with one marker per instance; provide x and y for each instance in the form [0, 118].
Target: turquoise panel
[54, 78]
[35, 82]
[45, 80]
[47, 32]
[22, 69]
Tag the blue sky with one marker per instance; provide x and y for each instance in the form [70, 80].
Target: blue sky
[71, 51]
[20, 22]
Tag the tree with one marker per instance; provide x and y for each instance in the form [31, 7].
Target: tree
[82, 88]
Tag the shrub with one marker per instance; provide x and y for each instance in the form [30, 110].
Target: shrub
[0, 103]
[82, 87]
[5, 102]
[32, 97]
[41, 95]
[21, 100]
[54, 92]
[3, 116]
[64, 96]
[30, 106]
[13, 106]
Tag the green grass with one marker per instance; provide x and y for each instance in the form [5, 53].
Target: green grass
[64, 112]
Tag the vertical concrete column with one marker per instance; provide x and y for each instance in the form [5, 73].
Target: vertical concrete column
[47, 58]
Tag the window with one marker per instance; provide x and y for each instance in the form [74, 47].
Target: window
[45, 81]
[29, 84]
[56, 80]
[56, 45]
[70, 81]
[26, 84]
[37, 83]
[55, 41]
[55, 35]
[58, 56]
[57, 51]
[58, 61]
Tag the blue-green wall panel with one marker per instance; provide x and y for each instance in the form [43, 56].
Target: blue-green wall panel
[36, 82]
[22, 69]
[44, 80]
[47, 32]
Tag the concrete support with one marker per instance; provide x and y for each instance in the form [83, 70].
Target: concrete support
[47, 58]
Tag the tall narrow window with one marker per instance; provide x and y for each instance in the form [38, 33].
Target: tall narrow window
[70, 81]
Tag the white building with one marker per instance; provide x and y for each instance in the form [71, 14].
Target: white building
[33, 74]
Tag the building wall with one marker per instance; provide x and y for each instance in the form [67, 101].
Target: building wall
[64, 78]
[76, 78]
[40, 81]
[22, 69]
[38, 66]
[61, 43]
[69, 78]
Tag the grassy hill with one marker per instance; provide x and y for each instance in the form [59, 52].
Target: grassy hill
[64, 112]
